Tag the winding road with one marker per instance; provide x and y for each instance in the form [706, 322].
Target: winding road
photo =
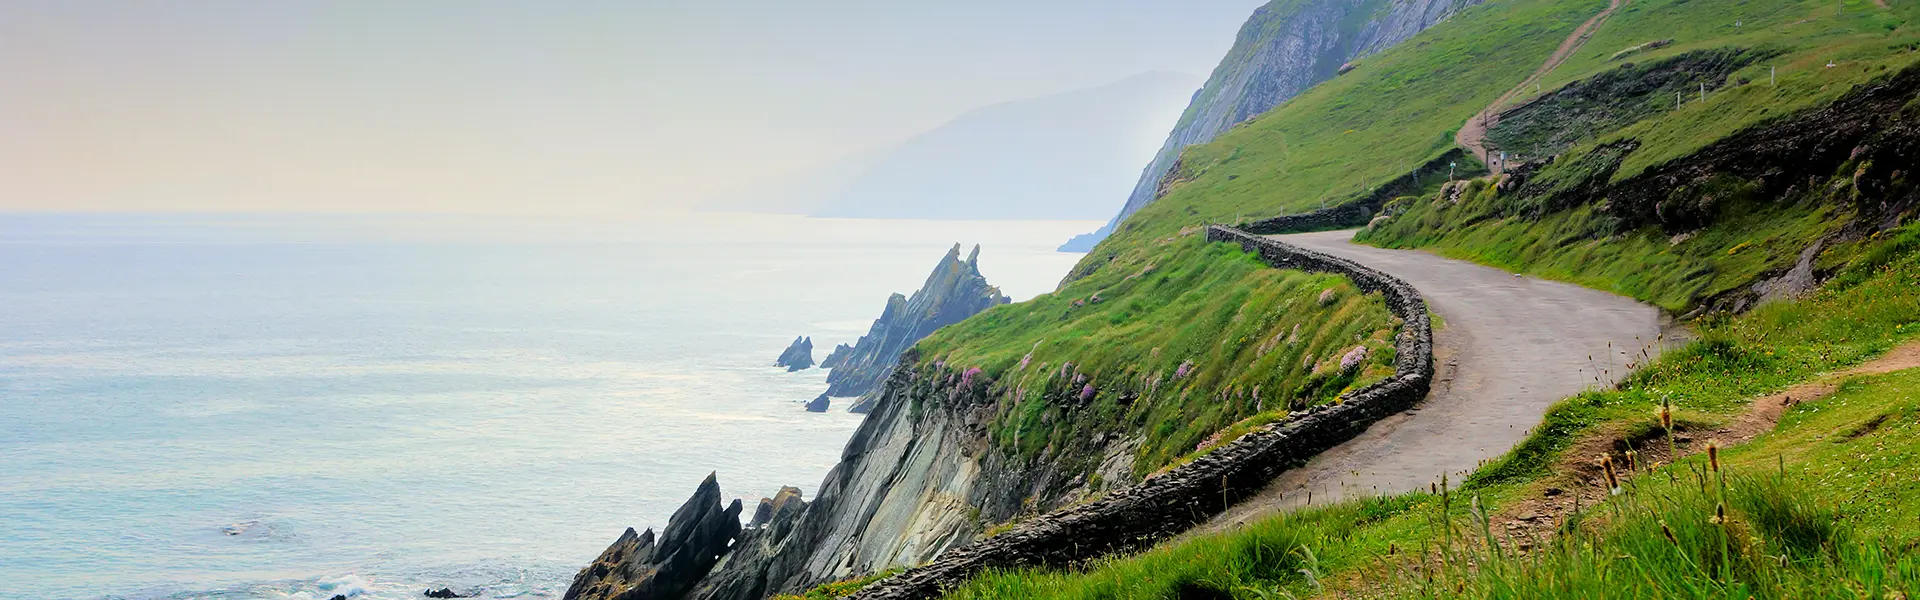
[1510, 346]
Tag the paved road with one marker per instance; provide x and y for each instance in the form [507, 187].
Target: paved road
[1510, 347]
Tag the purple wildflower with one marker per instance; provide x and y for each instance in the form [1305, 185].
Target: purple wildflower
[966, 379]
[1086, 393]
[1353, 358]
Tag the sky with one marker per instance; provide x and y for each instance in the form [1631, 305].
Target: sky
[489, 107]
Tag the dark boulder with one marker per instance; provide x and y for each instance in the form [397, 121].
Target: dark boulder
[639, 566]
[444, 593]
[799, 355]
[819, 404]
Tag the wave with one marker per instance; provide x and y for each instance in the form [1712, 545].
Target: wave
[490, 580]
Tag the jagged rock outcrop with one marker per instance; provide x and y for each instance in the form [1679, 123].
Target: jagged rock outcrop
[911, 483]
[798, 355]
[743, 573]
[839, 355]
[954, 291]
[819, 403]
[1283, 49]
[639, 566]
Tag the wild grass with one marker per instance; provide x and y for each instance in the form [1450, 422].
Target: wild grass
[1169, 352]
[1701, 534]
[838, 589]
[1822, 507]
[1269, 559]
[1858, 449]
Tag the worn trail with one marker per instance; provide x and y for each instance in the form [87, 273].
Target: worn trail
[1473, 134]
[1510, 347]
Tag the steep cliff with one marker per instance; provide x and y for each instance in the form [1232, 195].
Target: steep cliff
[1286, 47]
[914, 480]
[954, 291]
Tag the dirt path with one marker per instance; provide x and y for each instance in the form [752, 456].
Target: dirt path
[1473, 134]
[1579, 479]
[1510, 346]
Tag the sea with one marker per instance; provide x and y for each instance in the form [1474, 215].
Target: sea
[309, 406]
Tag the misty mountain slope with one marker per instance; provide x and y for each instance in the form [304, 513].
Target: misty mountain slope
[1064, 156]
[1286, 47]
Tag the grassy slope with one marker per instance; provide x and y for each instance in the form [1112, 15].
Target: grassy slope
[1751, 237]
[1808, 33]
[1394, 111]
[1414, 96]
[1867, 480]
[1253, 338]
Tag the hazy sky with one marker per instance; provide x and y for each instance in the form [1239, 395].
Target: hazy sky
[488, 107]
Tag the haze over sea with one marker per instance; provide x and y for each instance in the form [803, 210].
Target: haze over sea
[377, 405]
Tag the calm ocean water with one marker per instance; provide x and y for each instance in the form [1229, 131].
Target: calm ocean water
[376, 405]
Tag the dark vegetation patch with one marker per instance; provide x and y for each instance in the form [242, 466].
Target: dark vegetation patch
[1613, 99]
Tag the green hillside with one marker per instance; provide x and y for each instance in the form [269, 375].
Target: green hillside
[1393, 112]
[1167, 299]
[1642, 197]
[1707, 241]
[1833, 490]
[1202, 337]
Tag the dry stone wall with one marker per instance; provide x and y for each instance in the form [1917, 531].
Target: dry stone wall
[1165, 505]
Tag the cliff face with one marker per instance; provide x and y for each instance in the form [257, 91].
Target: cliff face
[915, 480]
[1286, 47]
[954, 291]
[899, 496]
